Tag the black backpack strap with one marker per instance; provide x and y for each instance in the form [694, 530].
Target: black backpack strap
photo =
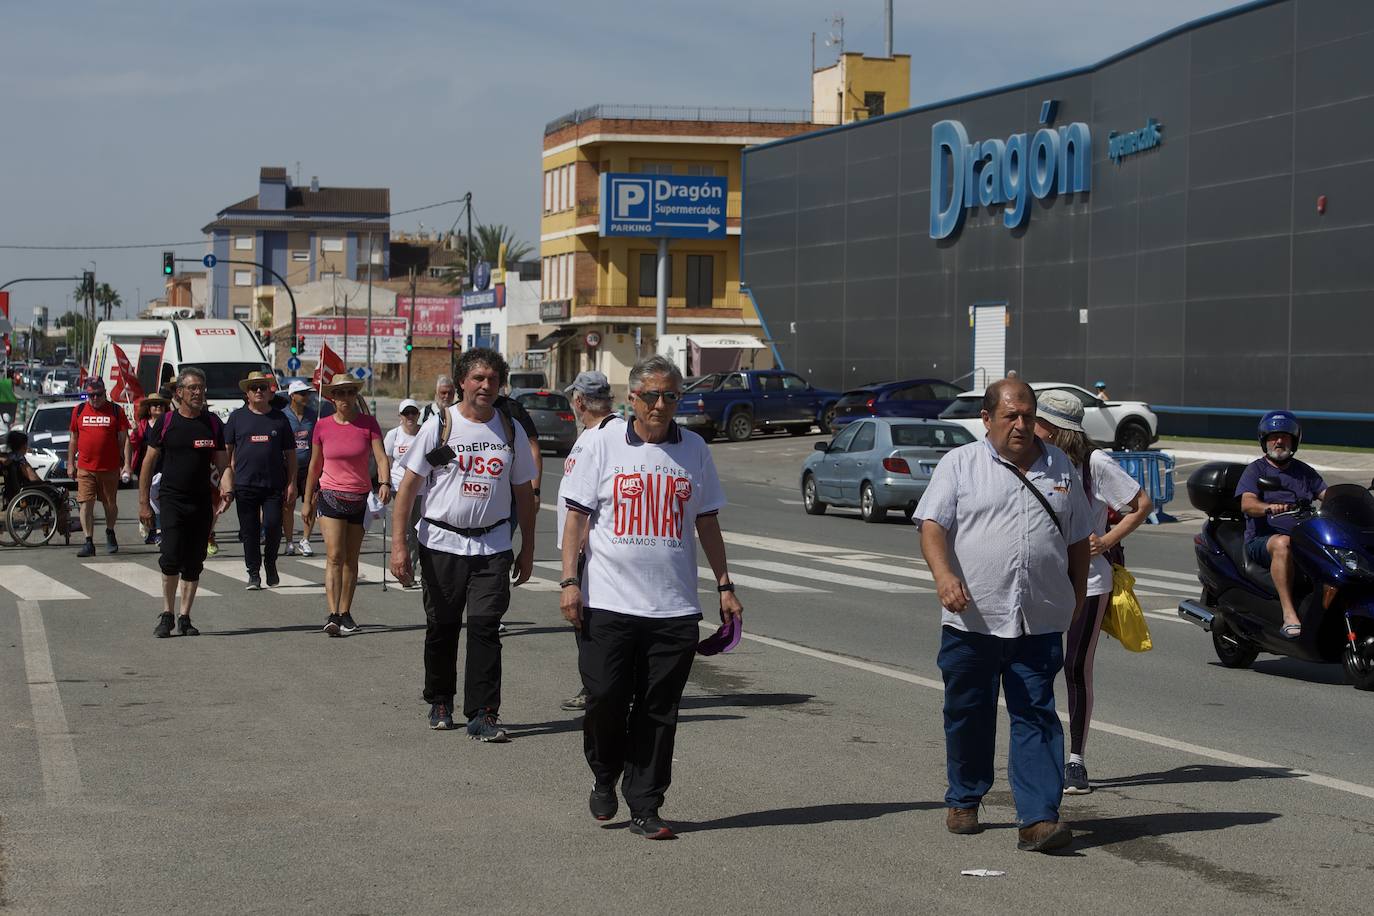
[1036, 492]
[602, 424]
[507, 425]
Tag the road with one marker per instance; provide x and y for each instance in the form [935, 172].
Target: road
[265, 767]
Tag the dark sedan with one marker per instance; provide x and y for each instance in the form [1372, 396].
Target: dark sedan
[921, 398]
[552, 415]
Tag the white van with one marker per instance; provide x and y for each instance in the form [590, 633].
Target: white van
[225, 350]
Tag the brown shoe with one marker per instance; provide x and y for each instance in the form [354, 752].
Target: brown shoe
[963, 821]
[1044, 836]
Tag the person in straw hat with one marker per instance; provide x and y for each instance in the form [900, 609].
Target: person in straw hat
[261, 476]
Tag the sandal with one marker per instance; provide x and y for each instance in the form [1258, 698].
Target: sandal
[1291, 630]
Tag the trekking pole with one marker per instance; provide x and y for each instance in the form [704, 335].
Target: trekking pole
[386, 546]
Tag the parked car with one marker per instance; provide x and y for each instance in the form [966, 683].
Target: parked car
[1129, 426]
[60, 381]
[915, 397]
[737, 403]
[524, 378]
[49, 429]
[552, 415]
[877, 464]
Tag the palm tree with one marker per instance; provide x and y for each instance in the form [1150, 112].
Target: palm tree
[487, 239]
[107, 299]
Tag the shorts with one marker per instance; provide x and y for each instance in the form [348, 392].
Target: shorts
[1257, 549]
[96, 485]
[346, 507]
[302, 471]
[185, 537]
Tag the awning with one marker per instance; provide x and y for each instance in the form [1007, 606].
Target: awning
[552, 340]
[726, 342]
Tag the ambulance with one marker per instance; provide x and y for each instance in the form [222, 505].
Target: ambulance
[225, 350]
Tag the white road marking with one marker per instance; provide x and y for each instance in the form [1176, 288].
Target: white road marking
[234, 569]
[56, 752]
[27, 583]
[141, 578]
[367, 572]
[1197, 750]
[790, 502]
[1166, 614]
[536, 584]
[830, 578]
[1190, 578]
[770, 585]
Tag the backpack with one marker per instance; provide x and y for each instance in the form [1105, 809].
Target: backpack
[216, 424]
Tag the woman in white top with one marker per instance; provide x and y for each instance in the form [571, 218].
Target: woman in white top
[397, 444]
[1059, 420]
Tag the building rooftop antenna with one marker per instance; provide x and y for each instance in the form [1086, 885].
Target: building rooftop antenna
[836, 38]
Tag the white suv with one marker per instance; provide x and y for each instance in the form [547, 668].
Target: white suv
[1126, 425]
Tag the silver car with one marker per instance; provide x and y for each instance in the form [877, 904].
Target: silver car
[552, 415]
[877, 464]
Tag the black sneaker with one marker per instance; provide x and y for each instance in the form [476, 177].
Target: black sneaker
[273, 580]
[111, 545]
[577, 703]
[165, 622]
[254, 583]
[1076, 779]
[651, 827]
[185, 627]
[346, 625]
[603, 802]
[87, 549]
[484, 727]
[331, 626]
[440, 716]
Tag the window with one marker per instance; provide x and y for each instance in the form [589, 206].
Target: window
[735, 382]
[875, 103]
[243, 243]
[943, 391]
[545, 400]
[331, 244]
[700, 279]
[300, 256]
[929, 435]
[648, 274]
[548, 192]
[565, 277]
[770, 384]
[243, 278]
[914, 393]
[794, 383]
[654, 168]
[700, 168]
[557, 190]
[841, 442]
[568, 187]
[863, 439]
[1088, 400]
[240, 311]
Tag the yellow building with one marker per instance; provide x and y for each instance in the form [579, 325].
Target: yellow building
[856, 88]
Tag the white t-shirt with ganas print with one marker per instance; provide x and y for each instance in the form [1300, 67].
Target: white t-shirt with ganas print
[644, 500]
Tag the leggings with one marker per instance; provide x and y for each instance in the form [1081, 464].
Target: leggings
[1078, 668]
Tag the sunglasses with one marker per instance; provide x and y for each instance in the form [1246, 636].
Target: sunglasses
[650, 398]
[259, 387]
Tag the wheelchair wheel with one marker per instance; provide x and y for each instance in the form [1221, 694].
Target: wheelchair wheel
[32, 518]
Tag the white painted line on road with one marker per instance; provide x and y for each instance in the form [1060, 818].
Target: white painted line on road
[141, 578]
[536, 584]
[830, 578]
[822, 552]
[56, 752]
[790, 502]
[1190, 578]
[234, 569]
[858, 556]
[1166, 614]
[770, 585]
[27, 583]
[1197, 750]
[367, 572]
[1180, 587]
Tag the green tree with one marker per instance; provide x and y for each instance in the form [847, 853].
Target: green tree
[487, 239]
[107, 299]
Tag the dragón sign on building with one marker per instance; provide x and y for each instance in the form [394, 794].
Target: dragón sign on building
[662, 206]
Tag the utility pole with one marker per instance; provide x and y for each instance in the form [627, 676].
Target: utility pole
[887, 30]
[410, 329]
[371, 352]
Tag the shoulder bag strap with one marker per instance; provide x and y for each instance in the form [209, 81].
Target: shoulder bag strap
[1035, 492]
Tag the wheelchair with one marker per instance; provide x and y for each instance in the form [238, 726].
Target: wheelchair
[38, 512]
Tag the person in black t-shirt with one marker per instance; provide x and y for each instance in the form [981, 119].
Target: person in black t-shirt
[261, 476]
[189, 441]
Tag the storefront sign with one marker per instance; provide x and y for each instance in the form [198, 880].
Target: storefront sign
[1012, 171]
[348, 338]
[493, 298]
[556, 310]
[431, 316]
[662, 206]
[1119, 146]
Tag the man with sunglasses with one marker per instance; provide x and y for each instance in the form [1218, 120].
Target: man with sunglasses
[261, 476]
[636, 495]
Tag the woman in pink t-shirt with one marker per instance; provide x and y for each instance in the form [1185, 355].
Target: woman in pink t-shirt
[336, 489]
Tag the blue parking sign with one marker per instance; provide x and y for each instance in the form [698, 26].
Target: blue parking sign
[663, 206]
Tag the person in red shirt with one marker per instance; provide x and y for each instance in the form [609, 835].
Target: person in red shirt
[100, 433]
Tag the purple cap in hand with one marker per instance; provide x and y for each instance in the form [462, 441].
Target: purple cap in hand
[723, 640]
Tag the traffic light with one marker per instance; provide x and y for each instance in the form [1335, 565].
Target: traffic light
[169, 264]
[410, 343]
[299, 347]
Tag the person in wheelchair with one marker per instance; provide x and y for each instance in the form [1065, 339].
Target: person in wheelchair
[1266, 528]
[18, 475]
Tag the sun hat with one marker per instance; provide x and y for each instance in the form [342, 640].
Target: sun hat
[1061, 409]
[256, 376]
[408, 402]
[299, 385]
[157, 398]
[593, 384]
[341, 381]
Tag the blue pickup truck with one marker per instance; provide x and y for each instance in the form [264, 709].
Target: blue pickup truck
[737, 403]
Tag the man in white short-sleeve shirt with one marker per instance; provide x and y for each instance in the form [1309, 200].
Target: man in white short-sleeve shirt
[465, 540]
[397, 444]
[636, 495]
[1004, 528]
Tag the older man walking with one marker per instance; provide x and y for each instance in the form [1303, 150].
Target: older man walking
[99, 438]
[1004, 528]
[445, 393]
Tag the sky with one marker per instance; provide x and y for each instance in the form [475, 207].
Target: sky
[132, 122]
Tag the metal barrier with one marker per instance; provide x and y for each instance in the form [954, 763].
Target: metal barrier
[1154, 471]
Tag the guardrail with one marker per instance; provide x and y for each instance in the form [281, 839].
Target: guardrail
[688, 113]
[1154, 471]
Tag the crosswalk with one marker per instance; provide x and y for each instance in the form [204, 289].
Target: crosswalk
[761, 564]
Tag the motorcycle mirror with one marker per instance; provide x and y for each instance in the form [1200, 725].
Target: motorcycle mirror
[822, 446]
[1269, 483]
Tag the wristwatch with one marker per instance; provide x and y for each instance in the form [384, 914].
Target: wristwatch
[727, 587]
[571, 580]
[536, 491]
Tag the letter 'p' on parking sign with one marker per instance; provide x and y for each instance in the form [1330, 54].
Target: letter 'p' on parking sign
[631, 196]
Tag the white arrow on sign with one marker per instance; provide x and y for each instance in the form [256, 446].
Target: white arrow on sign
[710, 225]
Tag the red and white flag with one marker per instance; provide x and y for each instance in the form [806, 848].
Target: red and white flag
[330, 364]
[126, 386]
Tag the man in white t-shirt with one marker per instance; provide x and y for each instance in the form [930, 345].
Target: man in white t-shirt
[473, 476]
[636, 494]
[590, 394]
[397, 444]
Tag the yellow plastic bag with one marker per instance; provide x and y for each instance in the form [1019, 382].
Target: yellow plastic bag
[1124, 619]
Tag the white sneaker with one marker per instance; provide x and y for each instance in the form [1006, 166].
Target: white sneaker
[290, 548]
[305, 548]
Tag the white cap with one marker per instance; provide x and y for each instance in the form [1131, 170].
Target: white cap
[299, 385]
[408, 402]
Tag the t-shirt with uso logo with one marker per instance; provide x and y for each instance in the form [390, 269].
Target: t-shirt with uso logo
[474, 489]
[187, 447]
[99, 429]
[643, 499]
[260, 442]
[571, 462]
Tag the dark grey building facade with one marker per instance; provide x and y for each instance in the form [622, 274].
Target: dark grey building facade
[1220, 261]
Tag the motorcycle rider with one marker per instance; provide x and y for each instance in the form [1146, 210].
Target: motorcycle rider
[1266, 529]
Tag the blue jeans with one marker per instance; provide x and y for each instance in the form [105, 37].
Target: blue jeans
[974, 666]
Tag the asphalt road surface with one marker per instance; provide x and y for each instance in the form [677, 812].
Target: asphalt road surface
[264, 767]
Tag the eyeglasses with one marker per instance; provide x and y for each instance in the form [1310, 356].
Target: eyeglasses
[650, 398]
[191, 387]
[259, 388]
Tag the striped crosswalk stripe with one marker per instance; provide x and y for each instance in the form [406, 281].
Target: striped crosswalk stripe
[27, 583]
[141, 578]
[367, 572]
[234, 569]
[703, 572]
[830, 578]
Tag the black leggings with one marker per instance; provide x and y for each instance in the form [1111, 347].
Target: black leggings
[185, 535]
[1078, 668]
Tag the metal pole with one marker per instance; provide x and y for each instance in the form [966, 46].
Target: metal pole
[410, 329]
[371, 352]
[664, 275]
[887, 28]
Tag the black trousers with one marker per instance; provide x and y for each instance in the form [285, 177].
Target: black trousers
[452, 583]
[634, 670]
[185, 536]
[259, 508]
